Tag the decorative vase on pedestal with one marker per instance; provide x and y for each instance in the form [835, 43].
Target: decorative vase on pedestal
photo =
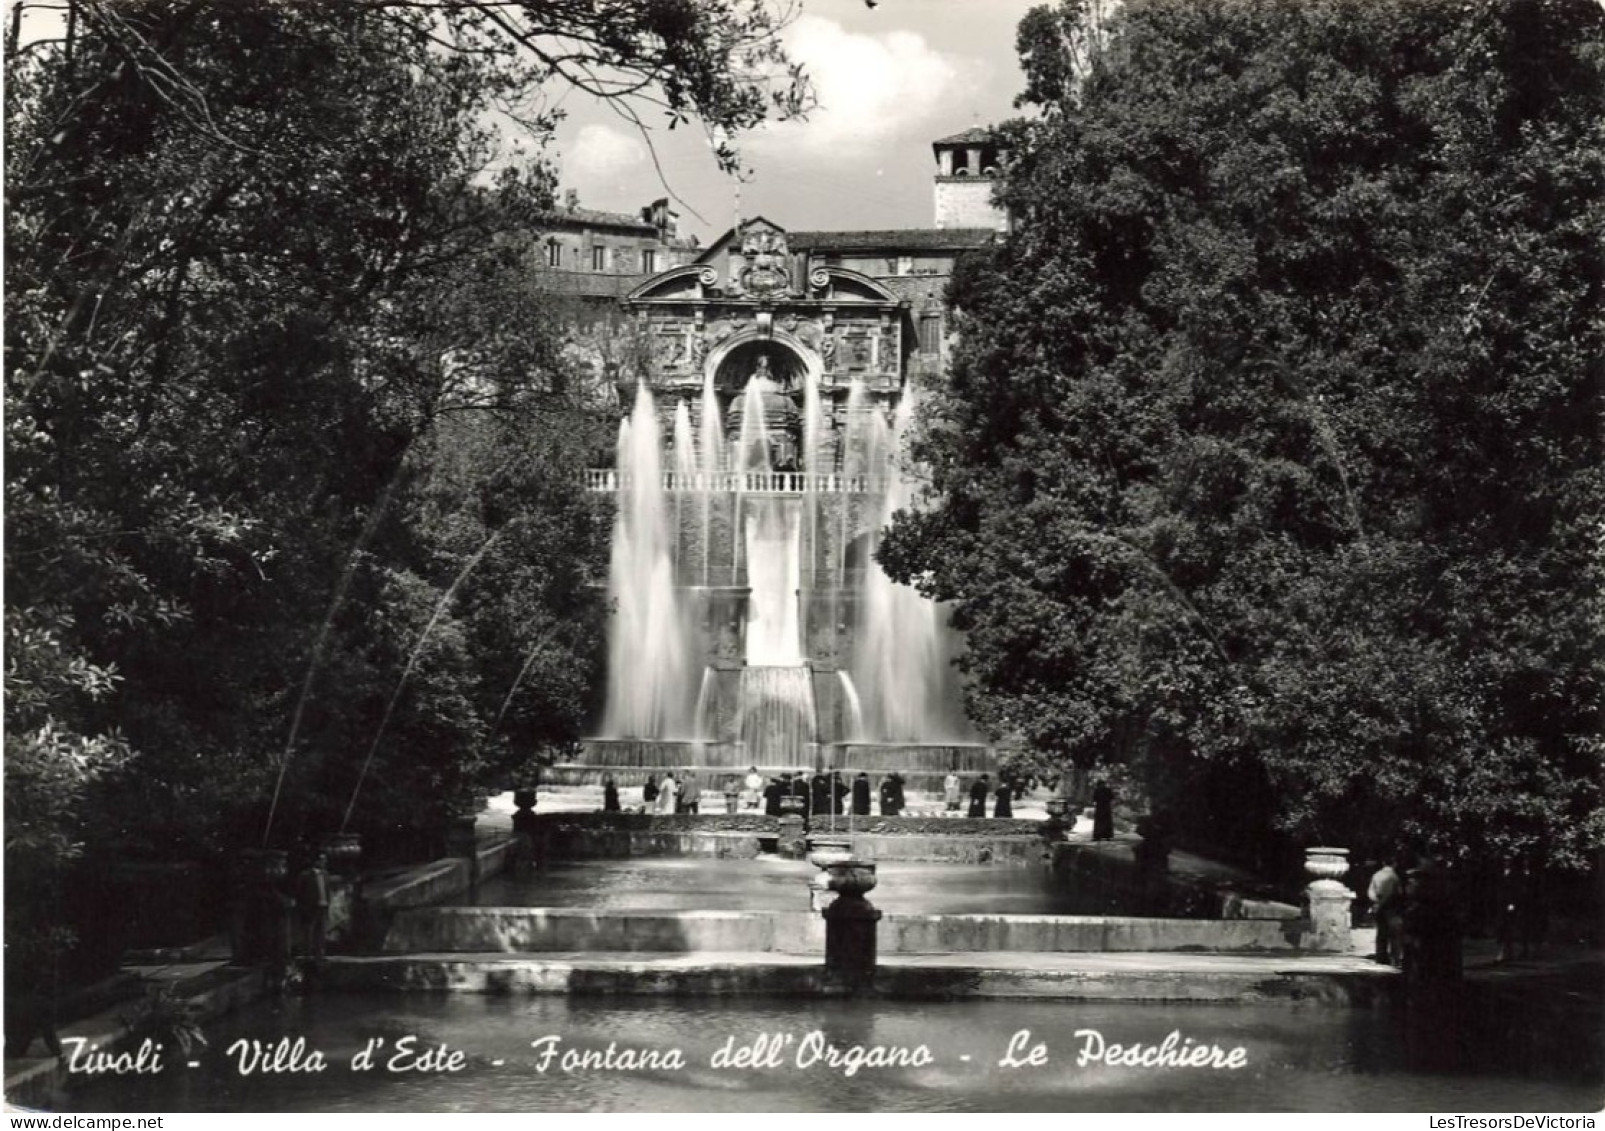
[1329, 901]
[851, 922]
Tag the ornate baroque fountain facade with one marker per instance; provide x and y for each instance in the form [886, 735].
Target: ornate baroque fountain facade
[759, 458]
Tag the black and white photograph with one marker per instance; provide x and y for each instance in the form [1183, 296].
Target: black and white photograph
[856, 556]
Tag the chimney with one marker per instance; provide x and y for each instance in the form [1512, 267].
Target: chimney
[571, 200]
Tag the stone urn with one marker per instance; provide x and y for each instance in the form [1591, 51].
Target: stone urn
[1326, 863]
[1057, 823]
[1327, 899]
[850, 923]
[273, 865]
[344, 853]
[850, 877]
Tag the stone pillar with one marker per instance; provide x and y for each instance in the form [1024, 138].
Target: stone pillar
[850, 924]
[974, 161]
[1329, 901]
[945, 162]
[793, 843]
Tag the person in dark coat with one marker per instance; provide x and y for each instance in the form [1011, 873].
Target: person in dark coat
[649, 794]
[821, 793]
[799, 790]
[861, 795]
[978, 793]
[838, 793]
[898, 799]
[1103, 812]
[610, 795]
[888, 796]
[1005, 800]
[772, 794]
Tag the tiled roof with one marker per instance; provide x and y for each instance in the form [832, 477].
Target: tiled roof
[596, 219]
[975, 135]
[892, 239]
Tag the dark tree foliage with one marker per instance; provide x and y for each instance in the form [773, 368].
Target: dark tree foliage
[1270, 455]
[293, 454]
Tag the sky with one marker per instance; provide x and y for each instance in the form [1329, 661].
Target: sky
[890, 80]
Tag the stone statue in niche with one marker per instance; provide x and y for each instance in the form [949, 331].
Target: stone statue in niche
[827, 352]
[671, 350]
[888, 348]
[860, 352]
[697, 348]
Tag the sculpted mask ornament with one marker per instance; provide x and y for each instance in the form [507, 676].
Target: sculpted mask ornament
[766, 271]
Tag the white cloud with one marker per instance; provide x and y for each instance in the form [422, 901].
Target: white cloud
[602, 153]
[870, 87]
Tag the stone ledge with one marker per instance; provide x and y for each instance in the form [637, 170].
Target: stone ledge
[1093, 978]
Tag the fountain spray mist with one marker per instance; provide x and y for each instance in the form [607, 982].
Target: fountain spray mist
[650, 687]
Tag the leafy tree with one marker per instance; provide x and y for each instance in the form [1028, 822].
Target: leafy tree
[1269, 458]
[269, 318]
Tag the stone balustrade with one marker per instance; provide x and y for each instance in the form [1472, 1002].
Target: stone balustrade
[744, 482]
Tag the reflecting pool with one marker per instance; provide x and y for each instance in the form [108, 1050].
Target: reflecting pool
[945, 1057]
[770, 883]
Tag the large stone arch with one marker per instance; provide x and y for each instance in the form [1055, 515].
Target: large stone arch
[813, 365]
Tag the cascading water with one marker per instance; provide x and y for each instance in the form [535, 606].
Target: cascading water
[651, 678]
[695, 661]
[685, 470]
[777, 714]
[712, 452]
[902, 664]
[771, 534]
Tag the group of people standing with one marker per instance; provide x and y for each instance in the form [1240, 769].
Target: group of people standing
[980, 789]
[827, 792]
[671, 794]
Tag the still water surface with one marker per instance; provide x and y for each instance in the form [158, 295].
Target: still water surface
[1297, 1058]
[769, 883]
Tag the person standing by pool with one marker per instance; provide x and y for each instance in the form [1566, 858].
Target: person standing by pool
[799, 790]
[861, 795]
[1103, 811]
[950, 793]
[649, 794]
[690, 793]
[1004, 806]
[754, 784]
[666, 793]
[1384, 896]
[821, 794]
[978, 793]
[610, 794]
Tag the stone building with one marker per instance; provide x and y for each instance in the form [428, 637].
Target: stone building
[770, 378]
[604, 255]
